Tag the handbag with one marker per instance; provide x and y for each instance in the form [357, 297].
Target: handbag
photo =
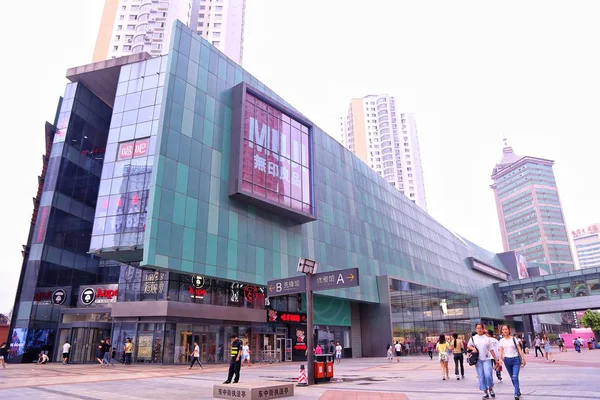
[518, 352]
[472, 356]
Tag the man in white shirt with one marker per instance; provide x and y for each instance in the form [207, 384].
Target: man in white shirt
[246, 353]
[196, 356]
[66, 350]
[398, 349]
[538, 345]
[338, 352]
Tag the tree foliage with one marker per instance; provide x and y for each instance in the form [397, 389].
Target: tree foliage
[591, 319]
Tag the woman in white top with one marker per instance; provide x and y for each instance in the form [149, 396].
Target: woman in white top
[512, 356]
[481, 344]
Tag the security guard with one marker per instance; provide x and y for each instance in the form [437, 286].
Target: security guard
[235, 362]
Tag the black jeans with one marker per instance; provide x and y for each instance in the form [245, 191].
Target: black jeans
[459, 359]
[430, 352]
[195, 360]
[234, 368]
[540, 349]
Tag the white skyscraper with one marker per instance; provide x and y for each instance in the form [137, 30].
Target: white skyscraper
[135, 26]
[387, 141]
[587, 246]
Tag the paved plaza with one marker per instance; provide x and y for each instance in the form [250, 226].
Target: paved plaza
[572, 376]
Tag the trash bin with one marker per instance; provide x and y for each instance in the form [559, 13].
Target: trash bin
[323, 367]
[589, 345]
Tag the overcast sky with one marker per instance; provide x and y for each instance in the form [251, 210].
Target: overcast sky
[472, 71]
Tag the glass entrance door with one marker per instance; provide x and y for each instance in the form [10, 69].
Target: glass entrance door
[84, 343]
[208, 347]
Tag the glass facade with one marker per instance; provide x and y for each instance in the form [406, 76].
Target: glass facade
[57, 261]
[120, 218]
[552, 287]
[420, 314]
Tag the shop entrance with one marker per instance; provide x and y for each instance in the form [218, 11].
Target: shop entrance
[207, 343]
[84, 343]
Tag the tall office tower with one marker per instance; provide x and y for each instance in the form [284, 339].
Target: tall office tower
[387, 141]
[529, 211]
[136, 26]
[587, 246]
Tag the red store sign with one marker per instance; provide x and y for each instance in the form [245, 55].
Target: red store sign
[133, 149]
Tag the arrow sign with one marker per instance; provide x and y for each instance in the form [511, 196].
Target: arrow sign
[282, 287]
[341, 278]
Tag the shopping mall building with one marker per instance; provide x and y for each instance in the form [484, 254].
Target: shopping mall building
[175, 187]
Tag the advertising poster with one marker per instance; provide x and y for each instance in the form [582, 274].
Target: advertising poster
[17, 342]
[298, 333]
[521, 266]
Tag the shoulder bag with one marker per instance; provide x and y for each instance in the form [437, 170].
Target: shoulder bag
[518, 352]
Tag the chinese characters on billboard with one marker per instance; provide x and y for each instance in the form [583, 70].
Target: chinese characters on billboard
[275, 157]
[590, 230]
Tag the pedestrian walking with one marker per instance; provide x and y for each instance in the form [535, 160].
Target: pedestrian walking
[3, 354]
[100, 353]
[495, 366]
[196, 356]
[561, 344]
[443, 348]
[113, 356]
[538, 343]
[331, 347]
[338, 352]
[235, 361]
[390, 352]
[513, 357]
[482, 345]
[458, 348]
[128, 352]
[107, 348]
[246, 353]
[66, 349]
[547, 349]
[430, 349]
[398, 350]
[577, 344]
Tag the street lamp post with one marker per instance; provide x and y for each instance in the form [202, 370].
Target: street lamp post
[309, 267]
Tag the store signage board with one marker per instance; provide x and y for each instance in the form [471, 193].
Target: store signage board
[342, 278]
[283, 287]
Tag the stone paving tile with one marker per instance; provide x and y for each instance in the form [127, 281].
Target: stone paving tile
[417, 377]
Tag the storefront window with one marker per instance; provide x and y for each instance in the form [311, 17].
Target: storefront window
[145, 342]
[122, 331]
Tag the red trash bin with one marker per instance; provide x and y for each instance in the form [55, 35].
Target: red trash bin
[329, 369]
[319, 370]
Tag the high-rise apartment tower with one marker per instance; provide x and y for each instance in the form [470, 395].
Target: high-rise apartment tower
[135, 26]
[387, 141]
[529, 211]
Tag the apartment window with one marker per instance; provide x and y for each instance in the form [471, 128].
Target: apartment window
[218, 8]
[408, 163]
[406, 150]
[133, 17]
[129, 38]
[410, 182]
[124, 8]
[202, 7]
[216, 34]
[121, 17]
[405, 144]
[409, 169]
[216, 43]
[217, 25]
[218, 16]
[200, 15]
[200, 33]
[200, 23]
[115, 48]
[130, 27]
[119, 27]
[126, 48]
[410, 175]
[412, 195]
[118, 37]
[156, 46]
[135, 8]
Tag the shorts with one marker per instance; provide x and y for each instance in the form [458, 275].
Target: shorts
[247, 357]
[398, 353]
[1, 357]
[338, 356]
[65, 355]
[100, 355]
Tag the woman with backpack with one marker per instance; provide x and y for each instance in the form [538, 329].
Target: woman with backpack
[481, 345]
[513, 358]
[443, 349]
[457, 346]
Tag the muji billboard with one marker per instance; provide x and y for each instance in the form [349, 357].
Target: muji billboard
[271, 156]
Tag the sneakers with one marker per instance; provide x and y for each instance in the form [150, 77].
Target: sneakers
[492, 393]
[458, 378]
[486, 396]
[226, 382]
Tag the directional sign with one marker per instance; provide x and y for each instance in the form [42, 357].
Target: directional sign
[341, 278]
[282, 287]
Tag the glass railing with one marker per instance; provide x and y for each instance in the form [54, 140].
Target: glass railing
[137, 49]
[141, 28]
